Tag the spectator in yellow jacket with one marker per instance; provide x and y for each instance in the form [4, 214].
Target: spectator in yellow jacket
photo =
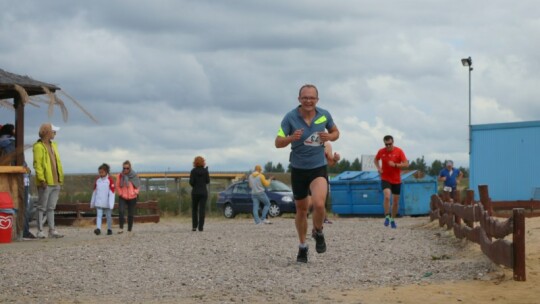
[49, 178]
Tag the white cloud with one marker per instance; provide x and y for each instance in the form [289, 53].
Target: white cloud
[169, 80]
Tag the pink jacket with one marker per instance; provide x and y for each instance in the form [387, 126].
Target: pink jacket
[127, 192]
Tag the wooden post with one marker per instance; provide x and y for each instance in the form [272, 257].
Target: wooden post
[469, 197]
[469, 201]
[484, 199]
[456, 196]
[518, 244]
[445, 196]
[19, 161]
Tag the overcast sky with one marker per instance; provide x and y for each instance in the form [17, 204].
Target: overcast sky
[170, 80]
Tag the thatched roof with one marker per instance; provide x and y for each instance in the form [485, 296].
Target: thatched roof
[32, 87]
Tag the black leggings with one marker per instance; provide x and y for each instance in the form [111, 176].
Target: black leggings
[122, 202]
[198, 208]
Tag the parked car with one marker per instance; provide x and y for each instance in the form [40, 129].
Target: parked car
[237, 199]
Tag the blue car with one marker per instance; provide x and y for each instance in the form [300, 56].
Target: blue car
[237, 199]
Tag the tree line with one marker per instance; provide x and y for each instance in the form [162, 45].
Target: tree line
[356, 165]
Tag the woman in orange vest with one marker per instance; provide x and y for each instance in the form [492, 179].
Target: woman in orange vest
[127, 185]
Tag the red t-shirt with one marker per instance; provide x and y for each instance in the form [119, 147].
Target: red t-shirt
[391, 174]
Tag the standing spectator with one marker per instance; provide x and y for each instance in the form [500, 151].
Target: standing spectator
[103, 198]
[451, 177]
[198, 179]
[49, 177]
[258, 183]
[393, 160]
[306, 128]
[127, 185]
[7, 152]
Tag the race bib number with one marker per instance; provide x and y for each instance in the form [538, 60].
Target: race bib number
[313, 140]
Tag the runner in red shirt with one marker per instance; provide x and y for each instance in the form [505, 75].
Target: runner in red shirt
[392, 160]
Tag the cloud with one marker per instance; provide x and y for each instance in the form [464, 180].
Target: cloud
[169, 80]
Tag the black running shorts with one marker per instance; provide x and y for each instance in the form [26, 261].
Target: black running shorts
[301, 180]
[395, 188]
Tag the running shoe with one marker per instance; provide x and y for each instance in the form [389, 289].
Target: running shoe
[327, 221]
[97, 231]
[40, 235]
[302, 255]
[386, 221]
[393, 224]
[320, 244]
[109, 232]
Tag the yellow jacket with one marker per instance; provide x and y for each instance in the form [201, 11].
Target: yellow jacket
[43, 166]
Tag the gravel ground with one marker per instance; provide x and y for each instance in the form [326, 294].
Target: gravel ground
[231, 261]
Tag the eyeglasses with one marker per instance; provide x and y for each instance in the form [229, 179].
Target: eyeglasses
[308, 98]
[388, 145]
[126, 168]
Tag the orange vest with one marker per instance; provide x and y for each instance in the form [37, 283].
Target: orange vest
[127, 192]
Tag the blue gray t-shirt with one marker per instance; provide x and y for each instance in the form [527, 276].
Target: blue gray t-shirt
[308, 152]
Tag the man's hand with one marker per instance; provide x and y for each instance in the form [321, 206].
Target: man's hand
[297, 135]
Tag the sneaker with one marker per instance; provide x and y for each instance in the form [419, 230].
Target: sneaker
[29, 237]
[393, 224]
[302, 255]
[267, 222]
[97, 231]
[193, 229]
[386, 221]
[109, 232]
[320, 244]
[40, 235]
[327, 221]
[53, 234]
[120, 231]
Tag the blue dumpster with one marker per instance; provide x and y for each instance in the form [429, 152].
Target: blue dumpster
[359, 192]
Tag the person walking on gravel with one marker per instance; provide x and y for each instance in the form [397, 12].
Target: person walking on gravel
[389, 162]
[103, 198]
[127, 185]
[49, 178]
[258, 183]
[306, 128]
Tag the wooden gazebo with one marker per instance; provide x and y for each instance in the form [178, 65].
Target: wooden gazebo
[19, 89]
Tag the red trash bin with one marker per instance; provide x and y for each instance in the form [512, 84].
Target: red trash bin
[6, 219]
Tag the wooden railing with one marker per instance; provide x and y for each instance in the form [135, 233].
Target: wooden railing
[500, 251]
[68, 214]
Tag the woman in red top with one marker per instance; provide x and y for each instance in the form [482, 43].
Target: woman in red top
[392, 160]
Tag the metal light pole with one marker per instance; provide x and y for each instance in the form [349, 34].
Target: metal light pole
[468, 62]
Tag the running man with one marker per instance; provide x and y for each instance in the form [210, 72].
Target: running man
[305, 129]
[393, 160]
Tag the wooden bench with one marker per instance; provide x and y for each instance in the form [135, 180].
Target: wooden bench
[78, 213]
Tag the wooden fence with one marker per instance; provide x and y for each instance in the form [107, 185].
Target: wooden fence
[462, 218]
[69, 214]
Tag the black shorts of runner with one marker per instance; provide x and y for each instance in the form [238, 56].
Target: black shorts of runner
[301, 180]
[394, 188]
